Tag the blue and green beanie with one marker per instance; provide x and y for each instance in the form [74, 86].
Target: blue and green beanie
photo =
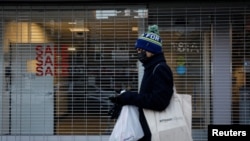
[150, 41]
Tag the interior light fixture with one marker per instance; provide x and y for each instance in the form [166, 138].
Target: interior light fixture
[71, 22]
[79, 29]
[71, 49]
[105, 14]
[134, 28]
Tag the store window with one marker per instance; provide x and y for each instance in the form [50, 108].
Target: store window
[63, 63]
[67, 62]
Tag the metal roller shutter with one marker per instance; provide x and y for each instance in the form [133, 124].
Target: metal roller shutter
[62, 64]
[59, 65]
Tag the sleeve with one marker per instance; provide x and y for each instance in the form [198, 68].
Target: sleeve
[157, 99]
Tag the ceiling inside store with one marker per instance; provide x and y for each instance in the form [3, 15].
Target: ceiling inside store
[113, 25]
[57, 24]
[110, 27]
[98, 30]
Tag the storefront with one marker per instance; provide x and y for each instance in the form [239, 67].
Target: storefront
[60, 63]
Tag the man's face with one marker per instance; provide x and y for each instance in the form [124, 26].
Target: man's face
[143, 56]
[148, 54]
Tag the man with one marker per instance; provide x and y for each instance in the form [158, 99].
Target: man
[156, 87]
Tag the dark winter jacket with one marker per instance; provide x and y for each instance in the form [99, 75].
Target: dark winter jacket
[155, 91]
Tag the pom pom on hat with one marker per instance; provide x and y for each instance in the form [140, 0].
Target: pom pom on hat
[150, 41]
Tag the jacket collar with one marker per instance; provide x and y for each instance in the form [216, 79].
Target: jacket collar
[154, 60]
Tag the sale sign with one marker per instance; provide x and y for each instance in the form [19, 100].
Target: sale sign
[52, 60]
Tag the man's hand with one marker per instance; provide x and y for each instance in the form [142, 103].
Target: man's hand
[115, 111]
[114, 99]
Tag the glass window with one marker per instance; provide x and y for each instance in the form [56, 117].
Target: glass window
[63, 63]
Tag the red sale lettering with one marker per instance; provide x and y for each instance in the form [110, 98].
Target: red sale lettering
[39, 71]
[48, 50]
[39, 51]
[44, 63]
[39, 61]
[50, 59]
[48, 71]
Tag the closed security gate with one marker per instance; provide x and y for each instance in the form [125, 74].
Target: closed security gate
[60, 63]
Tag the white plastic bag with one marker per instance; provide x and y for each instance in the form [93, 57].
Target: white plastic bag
[127, 126]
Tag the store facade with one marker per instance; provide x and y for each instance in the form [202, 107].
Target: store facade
[60, 63]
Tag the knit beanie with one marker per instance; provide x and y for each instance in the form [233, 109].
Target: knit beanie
[150, 41]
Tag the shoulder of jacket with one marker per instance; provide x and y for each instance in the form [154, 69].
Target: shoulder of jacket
[161, 64]
[156, 68]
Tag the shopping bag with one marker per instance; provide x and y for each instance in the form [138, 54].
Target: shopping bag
[174, 123]
[127, 126]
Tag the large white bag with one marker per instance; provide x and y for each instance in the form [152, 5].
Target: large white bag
[174, 123]
[127, 126]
